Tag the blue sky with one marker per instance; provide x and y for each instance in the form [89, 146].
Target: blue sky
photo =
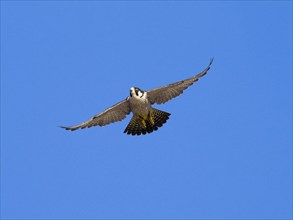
[226, 151]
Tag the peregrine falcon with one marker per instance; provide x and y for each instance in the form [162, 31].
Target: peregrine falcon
[145, 119]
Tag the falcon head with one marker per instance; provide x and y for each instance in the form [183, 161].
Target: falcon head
[137, 93]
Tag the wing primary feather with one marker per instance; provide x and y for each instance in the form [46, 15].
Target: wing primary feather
[165, 93]
[113, 114]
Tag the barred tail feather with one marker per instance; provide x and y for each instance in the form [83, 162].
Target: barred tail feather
[155, 119]
[159, 117]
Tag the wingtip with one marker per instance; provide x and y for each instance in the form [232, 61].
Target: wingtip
[211, 61]
[64, 127]
[60, 126]
[208, 67]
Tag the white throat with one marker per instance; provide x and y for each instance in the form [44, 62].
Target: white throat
[140, 95]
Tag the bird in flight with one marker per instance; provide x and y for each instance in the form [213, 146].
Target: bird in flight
[145, 119]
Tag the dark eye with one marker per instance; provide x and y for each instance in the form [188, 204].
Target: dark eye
[130, 94]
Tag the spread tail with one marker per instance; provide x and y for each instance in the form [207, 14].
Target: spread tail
[155, 119]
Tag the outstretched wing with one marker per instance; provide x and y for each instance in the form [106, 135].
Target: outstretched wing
[115, 113]
[163, 94]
